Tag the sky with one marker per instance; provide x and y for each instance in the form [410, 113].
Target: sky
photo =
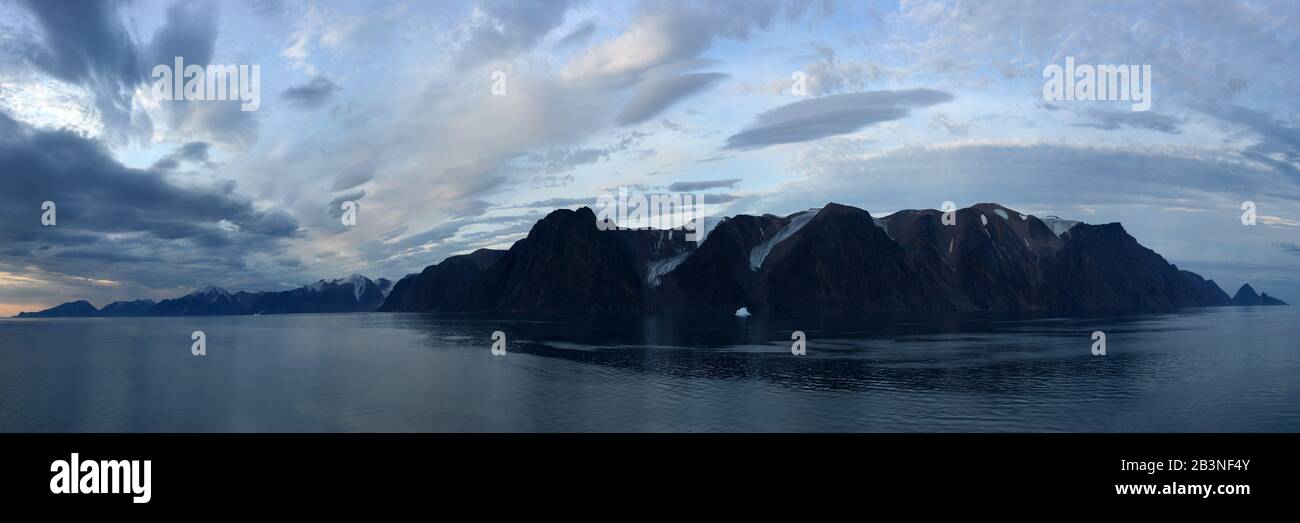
[456, 125]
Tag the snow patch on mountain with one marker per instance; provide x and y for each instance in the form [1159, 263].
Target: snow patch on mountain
[358, 283]
[657, 269]
[760, 251]
[1058, 225]
[883, 223]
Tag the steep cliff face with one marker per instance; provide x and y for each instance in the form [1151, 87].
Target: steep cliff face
[1102, 267]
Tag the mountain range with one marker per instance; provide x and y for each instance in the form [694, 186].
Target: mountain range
[836, 258]
[355, 293]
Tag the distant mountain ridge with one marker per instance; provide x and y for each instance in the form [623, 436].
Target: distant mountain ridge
[355, 293]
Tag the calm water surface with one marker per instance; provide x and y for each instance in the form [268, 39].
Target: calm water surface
[1221, 369]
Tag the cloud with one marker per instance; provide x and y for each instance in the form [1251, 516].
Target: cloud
[351, 179]
[122, 224]
[311, 95]
[1278, 142]
[942, 121]
[552, 166]
[1288, 247]
[666, 32]
[579, 35]
[190, 32]
[1048, 173]
[703, 185]
[195, 153]
[1112, 120]
[830, 75]
[816, 118]
[656, 95]
[500, 29]
[397, 256]
[86, 44]
[555, 203]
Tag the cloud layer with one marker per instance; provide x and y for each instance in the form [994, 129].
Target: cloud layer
[816, 118]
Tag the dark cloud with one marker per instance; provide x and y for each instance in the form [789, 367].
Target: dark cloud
[1288, 247]
[311, 95]
[336, 205]
[816, 118]
[351, 179]
[704, 185]
[578, 35]
[1276, 137]
[715, 158]
[195, 153]
[130, 226]
[190, 32]
[1112, 120]
[85, 43]
[659, 94]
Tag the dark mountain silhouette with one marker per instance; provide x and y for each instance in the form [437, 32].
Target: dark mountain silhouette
[1246, 296]
[566, 264]
[352, 294]
[1101, 267]
[439, 287]
[208, 301]
[842, 261]
[127, 308]
[837, 258]
[71, 309]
